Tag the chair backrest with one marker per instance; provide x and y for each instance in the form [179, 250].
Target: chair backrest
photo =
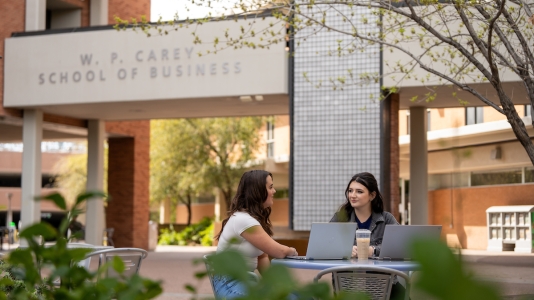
[375, 281]
[132, 258]
[209, 271]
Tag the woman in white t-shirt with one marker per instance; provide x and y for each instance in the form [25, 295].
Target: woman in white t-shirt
[248, 230]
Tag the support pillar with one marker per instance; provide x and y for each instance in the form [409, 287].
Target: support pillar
[165, 211]
[418, 166]
[389, 154]
[128, 183]
[35, 18]
[32, 135]
[98, 12]
[95, 221]
[221, 210]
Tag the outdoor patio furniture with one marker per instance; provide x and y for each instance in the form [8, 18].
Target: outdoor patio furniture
[375, 281]
[132, 258]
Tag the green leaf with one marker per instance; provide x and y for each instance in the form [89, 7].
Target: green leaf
[41, 229]
[78, 254]
[190, 288]
[118, 264]
[442, 274]
[230, 263]
[88, 195]
[54, 197]
[200, 275]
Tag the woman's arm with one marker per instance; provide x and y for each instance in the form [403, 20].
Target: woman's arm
[263, 262]
[261, 240]
[389, 220]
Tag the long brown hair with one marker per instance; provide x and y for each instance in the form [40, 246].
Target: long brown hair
[369, 181]
[250, 196]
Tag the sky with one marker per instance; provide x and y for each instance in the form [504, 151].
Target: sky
[168, 8]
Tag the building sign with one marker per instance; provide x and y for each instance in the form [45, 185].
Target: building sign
[110, 66]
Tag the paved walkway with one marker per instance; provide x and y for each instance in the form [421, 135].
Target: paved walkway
[175, 266]
[512, 272]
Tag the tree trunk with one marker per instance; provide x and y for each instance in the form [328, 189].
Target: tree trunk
[227, 197]
[189, 213]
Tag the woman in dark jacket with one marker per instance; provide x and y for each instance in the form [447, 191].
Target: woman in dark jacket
[365, 206]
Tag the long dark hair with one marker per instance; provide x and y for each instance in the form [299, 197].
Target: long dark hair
[250, 196]
[369, 181]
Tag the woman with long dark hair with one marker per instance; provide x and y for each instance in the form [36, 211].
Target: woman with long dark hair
[365, 206]
[248, 230]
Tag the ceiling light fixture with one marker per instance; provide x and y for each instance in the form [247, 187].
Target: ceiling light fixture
[258, 97]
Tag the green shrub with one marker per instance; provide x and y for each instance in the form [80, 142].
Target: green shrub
[21, 271]
[194, 234]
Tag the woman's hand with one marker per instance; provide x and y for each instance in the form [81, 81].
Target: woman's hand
[294, 251]
[355, 251]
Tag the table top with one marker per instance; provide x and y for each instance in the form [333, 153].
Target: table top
[403, 266]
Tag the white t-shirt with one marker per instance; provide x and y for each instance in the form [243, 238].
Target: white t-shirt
[239, 222]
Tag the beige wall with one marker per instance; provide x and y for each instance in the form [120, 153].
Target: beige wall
[11, 162]
[443, 118]
[513, 155]
[15, 200]
[462, 212]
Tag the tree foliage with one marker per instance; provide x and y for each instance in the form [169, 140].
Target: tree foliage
[476, 47]
[193, 155]
[71, 175]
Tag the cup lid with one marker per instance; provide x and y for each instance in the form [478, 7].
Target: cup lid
[363, 230]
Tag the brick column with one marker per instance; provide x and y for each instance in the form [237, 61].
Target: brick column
[127, 10]
[394, 160]
[128, 183]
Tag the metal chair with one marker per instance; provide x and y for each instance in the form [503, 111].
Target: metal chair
[132, 258]
[254, 277]
[375, 281]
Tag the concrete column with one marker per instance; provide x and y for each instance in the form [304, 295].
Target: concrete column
[35, 18]
[418, 166]
[98, 12]
[165, 211]
[32, 135]
[221, 210]
[95, 223]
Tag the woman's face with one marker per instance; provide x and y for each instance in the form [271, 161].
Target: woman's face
[270, 193]
[359, 196]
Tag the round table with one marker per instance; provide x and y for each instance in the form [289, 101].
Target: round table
[403, 266]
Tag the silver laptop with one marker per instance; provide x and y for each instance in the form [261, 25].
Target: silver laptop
[330, 241]
[398, 239]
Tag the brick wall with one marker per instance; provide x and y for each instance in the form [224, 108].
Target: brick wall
[128, 9]
[128, 183]
[462, 211]
[12, 20]
[394, 196]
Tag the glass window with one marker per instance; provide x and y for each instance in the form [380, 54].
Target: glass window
[270, 139]
[506, 176]
[529, 174]
[474, 115]
[448, 180]
[528, 110]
